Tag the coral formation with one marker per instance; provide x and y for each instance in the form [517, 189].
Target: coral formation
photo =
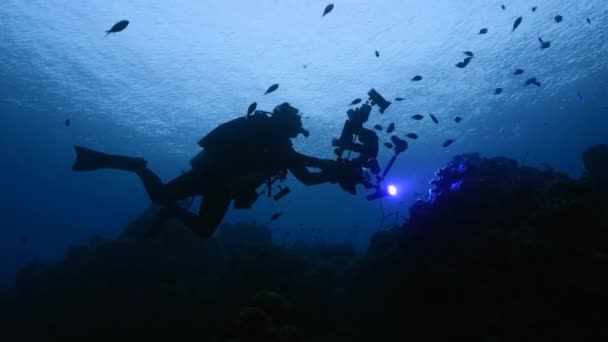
[499, 252]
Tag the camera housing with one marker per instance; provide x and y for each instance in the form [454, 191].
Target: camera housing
[377, 99]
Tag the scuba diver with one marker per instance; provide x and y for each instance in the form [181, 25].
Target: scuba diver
[238, 157]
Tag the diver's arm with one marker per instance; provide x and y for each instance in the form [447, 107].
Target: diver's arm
[307, 177]
[300, 162]
[313, 161]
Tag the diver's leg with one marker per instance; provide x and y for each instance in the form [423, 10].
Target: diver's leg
[211, 213]
[183, 186]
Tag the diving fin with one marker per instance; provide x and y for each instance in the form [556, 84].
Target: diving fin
[90, 160]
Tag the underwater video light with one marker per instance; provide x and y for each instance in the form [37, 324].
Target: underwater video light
[392, 190]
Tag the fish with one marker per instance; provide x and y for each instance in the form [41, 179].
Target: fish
[67, 122]
[534, 9]
[534, 81]
[24, 240]
[497, 91]
[391, 128]
[417, 78]
[377, 53]
[517, 23]
[457, 119]
[417, 117]
[412, 135]
[251, 108]
[389, 145]
[518, 72]
[328, 9]
[483, 31]
[119, 26]
[448, 143]
[558, 18]
[468, 53]
[544, 44]
[579, 96]
[275, 216]
[434, 118]
[271, 88]
[355, 101]
[464, 63]
[378, 127]
[399, 99]
[400, 144]
[588, 21]
[503, 7]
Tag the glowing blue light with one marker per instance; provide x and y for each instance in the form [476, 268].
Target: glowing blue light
[392, 190]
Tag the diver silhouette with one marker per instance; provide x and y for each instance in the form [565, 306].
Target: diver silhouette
[238, 157]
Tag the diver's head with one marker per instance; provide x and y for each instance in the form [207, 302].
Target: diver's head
[288, 120]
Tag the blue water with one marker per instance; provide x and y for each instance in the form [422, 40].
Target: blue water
[183, 67]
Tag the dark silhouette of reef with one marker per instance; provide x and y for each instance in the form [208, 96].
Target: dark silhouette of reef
[499, 252]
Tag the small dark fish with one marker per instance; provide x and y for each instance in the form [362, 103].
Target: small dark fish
[399, 99]
[588, 21]
[412, 135]
[516, 23]
[448, 143]
[355, 101]
[400, 144]
[251, 108]
[378, 127]
[468, 53]
[434, 118]
[377, 53]
[417, 78]
[464, 63]
[497, 91]
[503, 7]
[558, 18]
[518, 72]
[457, 119]
[67, 122]
[391, 128]
[544, 44]
[272, 88]
[275, 216]
[119, 26]
[304, 66]
[389, 145]
[417, 117]
[328, 9]
[579, 96]
[483, 31]
[24, 240]
[534, 81]
[534, 8]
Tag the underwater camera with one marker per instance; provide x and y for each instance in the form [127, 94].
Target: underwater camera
[378, 100]
[352, 127]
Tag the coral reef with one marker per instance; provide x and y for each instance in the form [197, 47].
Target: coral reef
[499, 252]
